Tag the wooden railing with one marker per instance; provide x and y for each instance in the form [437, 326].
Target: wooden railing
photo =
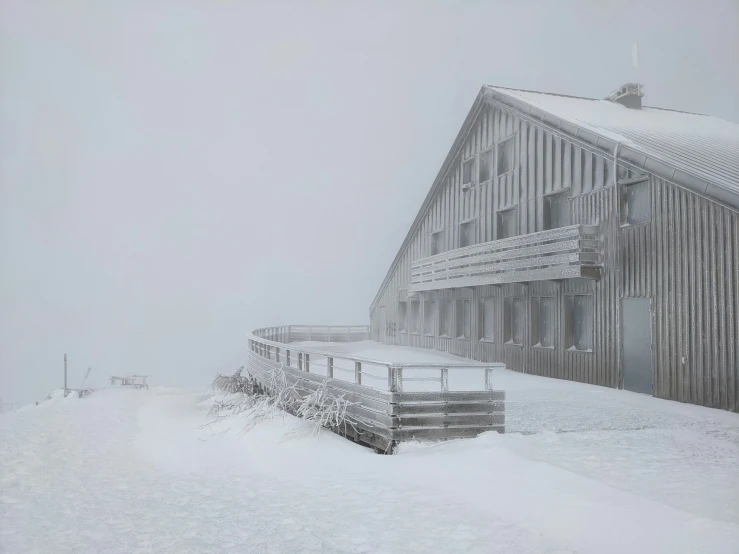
[389, 401]
[567, 252]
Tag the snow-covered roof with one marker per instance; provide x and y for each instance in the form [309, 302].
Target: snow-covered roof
[700, 145]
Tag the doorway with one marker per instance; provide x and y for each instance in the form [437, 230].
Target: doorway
[636, 344]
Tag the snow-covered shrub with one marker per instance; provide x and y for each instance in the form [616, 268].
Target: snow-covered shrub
[232, 383]
[321, 407]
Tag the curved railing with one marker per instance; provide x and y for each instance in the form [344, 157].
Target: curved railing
[390, 401]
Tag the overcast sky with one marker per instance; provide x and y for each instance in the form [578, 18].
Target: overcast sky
[173, 175]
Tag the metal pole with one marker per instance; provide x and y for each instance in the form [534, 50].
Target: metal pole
[65, 374]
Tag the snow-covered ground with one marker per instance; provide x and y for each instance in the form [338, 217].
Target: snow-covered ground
[581, 469]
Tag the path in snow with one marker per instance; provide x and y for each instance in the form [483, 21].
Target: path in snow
[603, 471]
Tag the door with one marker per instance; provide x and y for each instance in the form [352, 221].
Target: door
[382, 331]
[636, 345]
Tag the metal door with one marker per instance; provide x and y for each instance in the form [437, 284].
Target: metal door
[382, 331]
[636, 345]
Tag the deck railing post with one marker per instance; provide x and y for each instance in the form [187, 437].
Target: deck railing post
[330, 368]
[358, 373]
[300, 361]
[394, 379]
[488, 378]
[444, 379]
[287, 357]
[277, 354]
[307, 363]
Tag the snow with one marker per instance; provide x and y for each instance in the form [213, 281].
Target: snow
[581, 469]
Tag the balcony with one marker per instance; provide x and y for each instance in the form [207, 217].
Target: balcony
[563, 253]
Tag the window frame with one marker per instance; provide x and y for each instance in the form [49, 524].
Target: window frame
[473, 166]
[438, 233]
[481, 303]
[491, 152]
[402, 316]
[566, 194]
[447, 323]
[473, 224]
[538, 320]
[569, 318]
[432, 321]
[414, 325]
[508, 323]
[623, 190]
[502, 144]
[499, 221]
[464, 335]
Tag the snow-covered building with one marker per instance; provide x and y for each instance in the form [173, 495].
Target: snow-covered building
[595, 240]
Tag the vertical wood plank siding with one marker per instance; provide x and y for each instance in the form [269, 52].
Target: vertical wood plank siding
[685, 259]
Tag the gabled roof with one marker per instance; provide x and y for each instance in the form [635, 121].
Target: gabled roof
[698, 152]
[701, 145]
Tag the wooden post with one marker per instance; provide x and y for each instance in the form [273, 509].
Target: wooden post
[488, 378]
[445, 379]
[330, 368]
[307, 362]
[277, 353]
[300, 361]
[287, 357]
[358, 373]
[65, 374]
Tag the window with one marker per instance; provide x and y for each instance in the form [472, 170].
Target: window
[428, 317]
[436, 243]
[513, 321]
[556, 211]
[542, 321]
[467, 169]
[507, 224]
[635, 203]
[486, 320]
[467, 234]
[463, 319]
[402, 316]
[505, 156]
[579, 322]
[444, 323]
[413, 323]
[485, 166]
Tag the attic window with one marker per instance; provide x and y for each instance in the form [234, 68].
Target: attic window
[467, 168]
[505, 156]
[485, 166]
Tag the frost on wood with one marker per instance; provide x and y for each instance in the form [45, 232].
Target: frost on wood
[320, 407]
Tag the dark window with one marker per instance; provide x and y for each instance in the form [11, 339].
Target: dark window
[428, 317]
[486, 319]
[467, 169]
[415, 309]
[542, 321]
[402, 316]
[505, 156]
[513, 320]
[444, 314]
[485, 166]
[635, 203]
[579, 322]
[507, 224]
[463, 319]
[436, 243]
[556, 211]
[467, 234]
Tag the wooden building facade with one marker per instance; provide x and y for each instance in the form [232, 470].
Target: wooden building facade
[591, 240]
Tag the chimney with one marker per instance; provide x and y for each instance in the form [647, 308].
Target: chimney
[629, 95]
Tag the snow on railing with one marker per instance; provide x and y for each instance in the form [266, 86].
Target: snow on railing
[274, 343]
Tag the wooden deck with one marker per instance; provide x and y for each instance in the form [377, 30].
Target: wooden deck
[413, 402]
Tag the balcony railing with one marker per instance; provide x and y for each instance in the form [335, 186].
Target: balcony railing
[563, 253]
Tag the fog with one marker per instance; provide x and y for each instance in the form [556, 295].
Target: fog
[173, 175]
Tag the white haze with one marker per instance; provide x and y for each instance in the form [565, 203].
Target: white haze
[173, 174]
